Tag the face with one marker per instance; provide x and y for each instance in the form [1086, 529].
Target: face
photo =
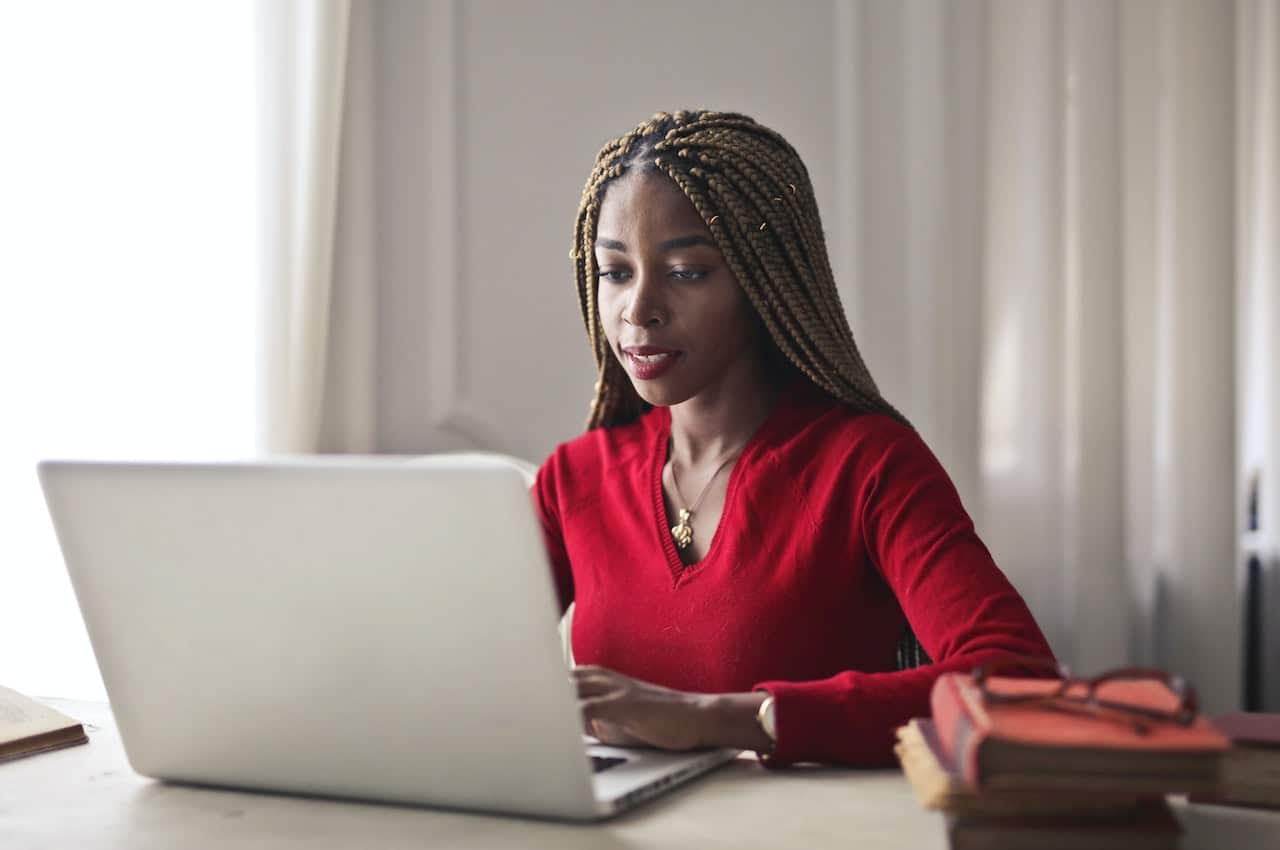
[672, 310]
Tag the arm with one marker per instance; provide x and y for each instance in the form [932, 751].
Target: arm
[547, 507]
[960, 605]
[625, 711]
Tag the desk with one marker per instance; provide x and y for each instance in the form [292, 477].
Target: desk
[88, 797]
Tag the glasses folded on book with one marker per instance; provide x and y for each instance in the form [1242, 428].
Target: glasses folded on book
[1086, 695]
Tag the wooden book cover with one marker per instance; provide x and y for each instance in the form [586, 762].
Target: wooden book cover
[1062, 747]
[939, 786]
[1152, 827]
[28, 727]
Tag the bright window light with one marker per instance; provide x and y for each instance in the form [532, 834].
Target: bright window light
[127, 274]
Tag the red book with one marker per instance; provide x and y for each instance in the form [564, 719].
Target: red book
[1063, 746]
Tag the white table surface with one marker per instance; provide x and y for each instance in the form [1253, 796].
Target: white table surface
[88, 797]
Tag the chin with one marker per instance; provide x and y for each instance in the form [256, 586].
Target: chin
[660, 394]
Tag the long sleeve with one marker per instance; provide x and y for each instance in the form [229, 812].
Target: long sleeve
[961, 606]
[547, 506]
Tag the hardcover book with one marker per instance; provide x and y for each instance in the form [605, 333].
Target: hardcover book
[1250, 773]
[1151, 827]
[939, 786]
[1064, 744]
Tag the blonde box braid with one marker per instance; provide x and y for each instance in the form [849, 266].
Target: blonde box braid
[753, 191]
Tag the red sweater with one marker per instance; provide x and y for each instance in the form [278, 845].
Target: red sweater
[838, 528]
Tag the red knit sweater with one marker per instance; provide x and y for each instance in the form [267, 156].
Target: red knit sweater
[835, 525]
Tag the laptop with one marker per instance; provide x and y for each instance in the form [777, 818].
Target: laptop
[342, 626]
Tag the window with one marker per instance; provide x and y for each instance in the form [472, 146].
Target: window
[128, 309]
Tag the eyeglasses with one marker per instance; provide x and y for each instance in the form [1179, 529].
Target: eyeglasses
[1081, 695]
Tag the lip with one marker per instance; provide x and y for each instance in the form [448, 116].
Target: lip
[645, 350]
[650, 370]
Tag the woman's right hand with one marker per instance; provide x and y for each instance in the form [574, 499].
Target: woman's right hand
[611, 734]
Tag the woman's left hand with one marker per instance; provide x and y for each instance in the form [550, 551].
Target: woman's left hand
[623, 711]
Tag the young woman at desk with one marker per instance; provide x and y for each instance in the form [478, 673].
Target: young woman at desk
[748, 528]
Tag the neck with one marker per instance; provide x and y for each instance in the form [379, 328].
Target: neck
[722, 418]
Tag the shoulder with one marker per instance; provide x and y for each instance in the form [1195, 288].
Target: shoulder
[817, 427]
[577, 469]
[825, 446]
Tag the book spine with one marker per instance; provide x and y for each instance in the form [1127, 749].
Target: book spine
[959, 735]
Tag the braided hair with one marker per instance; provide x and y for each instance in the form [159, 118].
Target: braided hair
[753, 191]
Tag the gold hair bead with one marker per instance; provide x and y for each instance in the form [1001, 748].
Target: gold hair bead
[763, 225]
[793, 188]
[777, 199]
[713, 219]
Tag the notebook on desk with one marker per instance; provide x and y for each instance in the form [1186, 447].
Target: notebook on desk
[29, 727]
[342, 626]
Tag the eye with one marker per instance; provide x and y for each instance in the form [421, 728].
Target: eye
[613, 275]
[687, 274]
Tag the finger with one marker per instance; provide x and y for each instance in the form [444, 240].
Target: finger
[601, 707]
[592, 673]
[616, 735]
[596, 687]
[595, 729]
[605, 733]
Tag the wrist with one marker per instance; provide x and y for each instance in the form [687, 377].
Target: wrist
[731, 720]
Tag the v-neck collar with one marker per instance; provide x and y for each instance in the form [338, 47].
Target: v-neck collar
[680, 571]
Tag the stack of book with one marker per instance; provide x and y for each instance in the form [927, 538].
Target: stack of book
[1088, 770]
[1250, 770]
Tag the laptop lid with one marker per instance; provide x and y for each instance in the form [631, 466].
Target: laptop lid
[344, 626]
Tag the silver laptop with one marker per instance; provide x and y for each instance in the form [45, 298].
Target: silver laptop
[359, 627]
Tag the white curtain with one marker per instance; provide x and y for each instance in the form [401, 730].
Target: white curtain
[1048, 226]
[1258, 320]
[1056, 209]
[317, 288]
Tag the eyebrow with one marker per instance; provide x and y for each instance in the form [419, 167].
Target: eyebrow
[669, 245]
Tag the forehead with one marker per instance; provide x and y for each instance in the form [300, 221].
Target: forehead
[647, 205]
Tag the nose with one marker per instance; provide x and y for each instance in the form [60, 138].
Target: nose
[646, 306]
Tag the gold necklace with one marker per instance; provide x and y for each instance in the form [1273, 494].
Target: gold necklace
[682, 531]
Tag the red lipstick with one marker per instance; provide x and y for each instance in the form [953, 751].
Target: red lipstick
[648, 362]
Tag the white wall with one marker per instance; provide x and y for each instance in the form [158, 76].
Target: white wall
[1258, 319]
[489, 117]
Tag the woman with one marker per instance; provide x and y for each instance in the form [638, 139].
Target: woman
[747, 526]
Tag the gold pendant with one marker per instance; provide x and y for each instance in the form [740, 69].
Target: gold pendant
[682, 531]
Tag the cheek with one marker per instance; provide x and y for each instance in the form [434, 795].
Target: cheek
[736, 320]
[606, 311]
